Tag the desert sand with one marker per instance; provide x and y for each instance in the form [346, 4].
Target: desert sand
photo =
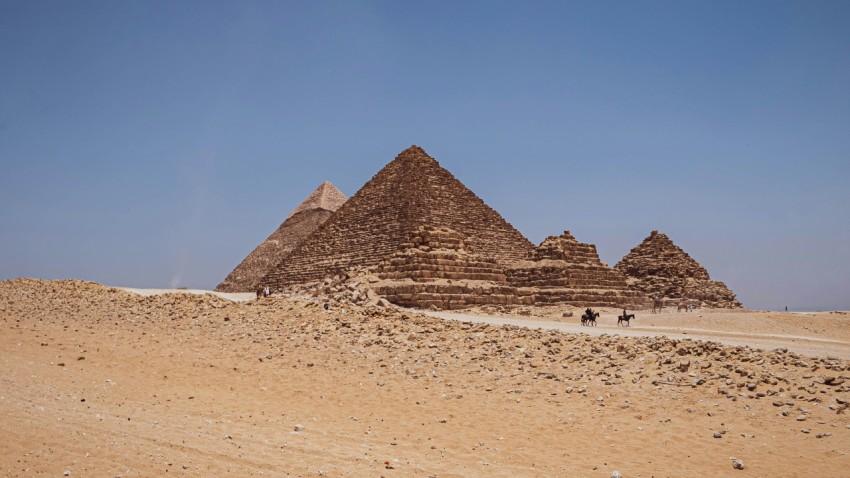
[99, 381]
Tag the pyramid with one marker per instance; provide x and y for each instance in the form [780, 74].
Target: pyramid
[301, 222]
[658, 267]
[563, 271]
[411, 191]
[435, 270]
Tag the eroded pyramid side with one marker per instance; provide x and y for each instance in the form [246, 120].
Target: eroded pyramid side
[659, 268]
[563, 271]
[314, 211]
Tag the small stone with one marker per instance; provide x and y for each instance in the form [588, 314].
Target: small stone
[616, 474]
[299, 427]
[736, 463]
[801, 418]
[718, 435]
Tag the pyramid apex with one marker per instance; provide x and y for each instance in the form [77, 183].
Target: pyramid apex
[415, 153]
[658, 237]
[326, 196]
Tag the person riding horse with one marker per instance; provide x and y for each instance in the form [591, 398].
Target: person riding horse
[625, 318]
[589, 317]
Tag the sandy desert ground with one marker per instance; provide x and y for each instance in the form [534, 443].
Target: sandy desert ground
[98, 381]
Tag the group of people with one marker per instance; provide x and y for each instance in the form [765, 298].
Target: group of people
[590, 314]
[263, 292]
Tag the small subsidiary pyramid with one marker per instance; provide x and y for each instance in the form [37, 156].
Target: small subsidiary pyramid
[658, 267]
[301, 222]
[410, 192]
[565, 271]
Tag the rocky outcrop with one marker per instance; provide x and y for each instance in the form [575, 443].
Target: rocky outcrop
[317, 208]
[565, 271]
[658, 267]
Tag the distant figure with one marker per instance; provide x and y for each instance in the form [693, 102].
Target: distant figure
[266, 291]
[259, 292]
[786, 308]
[657, 304]
[683, 305]
[589, 317]
[625, 318]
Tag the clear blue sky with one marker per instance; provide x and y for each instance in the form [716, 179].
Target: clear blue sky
[152, 143]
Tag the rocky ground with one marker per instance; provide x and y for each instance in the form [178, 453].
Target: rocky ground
[97, 381]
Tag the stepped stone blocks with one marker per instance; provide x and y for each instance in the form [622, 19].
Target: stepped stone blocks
[317, 208]
[564, 271]
[434, 269]
[411, 191]
[658, 267]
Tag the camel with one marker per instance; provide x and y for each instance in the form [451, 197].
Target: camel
[683, 305]
[657, 305]
[589, 319]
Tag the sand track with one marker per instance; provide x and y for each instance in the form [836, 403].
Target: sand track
[734, 332]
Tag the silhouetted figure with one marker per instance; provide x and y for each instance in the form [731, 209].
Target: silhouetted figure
[625, 318]
[589, 317]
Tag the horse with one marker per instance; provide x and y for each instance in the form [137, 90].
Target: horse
[625, 318]
[683, 305]
[589, 319]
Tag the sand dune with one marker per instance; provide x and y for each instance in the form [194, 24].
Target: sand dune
[98, 381]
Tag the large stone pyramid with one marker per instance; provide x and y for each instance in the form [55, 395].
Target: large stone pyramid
[658, 267]
[435, 270]
[411, 191]
[301, 222]
[565, 271]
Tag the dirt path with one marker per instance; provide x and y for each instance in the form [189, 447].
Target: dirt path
[812, 345]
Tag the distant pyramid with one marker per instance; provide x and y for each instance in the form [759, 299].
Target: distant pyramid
[658, 267]
[411, 191]
[301, 222]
